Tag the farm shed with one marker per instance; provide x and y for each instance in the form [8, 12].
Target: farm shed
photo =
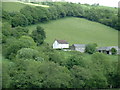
[107, 50]
[78, 47]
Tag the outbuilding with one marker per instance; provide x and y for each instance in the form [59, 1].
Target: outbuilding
[78, 47]
[107, 50]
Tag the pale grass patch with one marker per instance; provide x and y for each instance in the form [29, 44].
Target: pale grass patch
[33, 4]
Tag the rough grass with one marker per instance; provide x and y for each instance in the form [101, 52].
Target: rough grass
[17, 6]
[12, 6]
[79, 31]
[35, 4]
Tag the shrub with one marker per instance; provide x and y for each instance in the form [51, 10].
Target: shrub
[28, 53]
[75, 60]
[34, 74]
[19, 31]
[113, 51]
[13, 45]
[38, 35]
[19, 20]
[90, 48]
[28, 41]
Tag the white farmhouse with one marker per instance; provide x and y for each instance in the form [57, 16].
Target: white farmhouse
[60, 44]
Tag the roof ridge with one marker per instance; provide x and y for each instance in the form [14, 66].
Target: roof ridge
[62, 41]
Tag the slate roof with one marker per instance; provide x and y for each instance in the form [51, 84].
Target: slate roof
[79, 45]
[108, 48]
[62, 41]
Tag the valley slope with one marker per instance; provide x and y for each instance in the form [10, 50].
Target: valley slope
[79, 31]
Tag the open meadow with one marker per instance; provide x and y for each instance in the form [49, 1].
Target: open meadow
[79, 31]
[17, 6]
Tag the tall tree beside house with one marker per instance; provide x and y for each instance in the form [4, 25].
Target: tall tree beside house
[38, 35]
[114, 51]
[91, 48]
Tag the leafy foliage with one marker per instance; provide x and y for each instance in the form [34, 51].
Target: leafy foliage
[19, 20]
[38, 35]
[114, 51]
[75, 60]
[28, 53]
[19, 31]
[13, 45]
[90, 48]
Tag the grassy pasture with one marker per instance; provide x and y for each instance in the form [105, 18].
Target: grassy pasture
[17, 6]
[12, 6]
[79, 31]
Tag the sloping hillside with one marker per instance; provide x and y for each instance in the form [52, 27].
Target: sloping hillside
[16, 6]
[78, 30]
[12, 6]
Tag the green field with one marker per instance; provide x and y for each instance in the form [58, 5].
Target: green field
[12, 6]
[79, 31]
[17, 6]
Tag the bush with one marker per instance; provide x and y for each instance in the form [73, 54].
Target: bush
[28, 41]
[75, 60]
[28, 53]
[90, 48]
[81, 77]
[54, 76]
[19, 20]
[34, 74]
[113, 51]
[19, 31]
[6, 79]
[13, 45]
[100, 61]
[38, 35]
[88, 78]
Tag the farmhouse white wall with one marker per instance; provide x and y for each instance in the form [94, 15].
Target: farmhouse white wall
[57, 45]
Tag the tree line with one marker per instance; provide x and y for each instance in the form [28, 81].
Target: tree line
[32, 15]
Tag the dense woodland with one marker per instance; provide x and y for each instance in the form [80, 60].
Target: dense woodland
[29, 62]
